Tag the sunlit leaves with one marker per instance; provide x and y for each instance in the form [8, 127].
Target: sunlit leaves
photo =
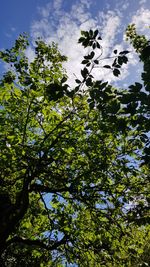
[74, 161]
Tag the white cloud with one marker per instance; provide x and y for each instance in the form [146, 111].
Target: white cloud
[45, 11]
[30, 54]
[64, 26]
[141, 2]
[57, 4]
[13, 29]
[11, 32]
[142, 20]
[67, 32]
[125, 5]
[121, 6]
[110, 28]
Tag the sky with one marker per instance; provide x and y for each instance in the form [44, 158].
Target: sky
[62, 21]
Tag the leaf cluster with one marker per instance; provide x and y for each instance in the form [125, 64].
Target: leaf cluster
[74, 162]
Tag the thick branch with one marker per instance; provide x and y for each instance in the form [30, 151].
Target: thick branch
[36, 243]
[11, 217]
[46, 189]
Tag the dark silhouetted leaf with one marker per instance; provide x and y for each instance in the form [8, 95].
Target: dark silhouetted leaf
[116, 72]
[107, 67]
[77, 81]
[124, 52]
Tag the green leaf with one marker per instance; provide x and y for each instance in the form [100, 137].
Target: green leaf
[85, 61]
[116, 72]
[81, 40]
[64, 79]
[74, 160]
[91, 33]
[92, 54]
[77, 81]
[95, 33]
[120, 60]
[96, 61]
[107, 67]
[136, 88]
[125, 52]
[124, 59]
[98, 45]
[84, 72]
[89, 82]
[94, 45]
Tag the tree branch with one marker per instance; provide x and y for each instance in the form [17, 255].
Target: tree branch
[55, 128]
[36, 243]
[46, 189]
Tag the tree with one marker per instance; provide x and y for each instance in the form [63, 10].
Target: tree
[74, 161]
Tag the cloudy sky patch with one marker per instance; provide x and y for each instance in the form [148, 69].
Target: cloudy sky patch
[61, 21]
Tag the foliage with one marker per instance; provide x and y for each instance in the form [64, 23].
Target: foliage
[74, 161]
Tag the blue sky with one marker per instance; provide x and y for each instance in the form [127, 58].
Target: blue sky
[62, 20]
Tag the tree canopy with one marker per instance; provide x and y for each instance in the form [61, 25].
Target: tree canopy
[74, 162]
